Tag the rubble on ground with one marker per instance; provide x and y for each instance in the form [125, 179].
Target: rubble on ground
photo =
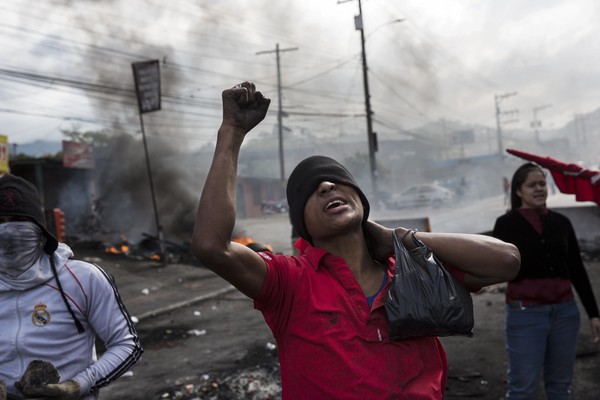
[256, 378]
[261, 382]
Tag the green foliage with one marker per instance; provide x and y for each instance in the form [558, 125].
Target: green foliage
[94, 138]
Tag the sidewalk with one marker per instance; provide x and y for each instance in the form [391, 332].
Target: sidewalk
[149, 288]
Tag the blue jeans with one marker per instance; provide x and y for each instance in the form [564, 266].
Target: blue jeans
[541, 339]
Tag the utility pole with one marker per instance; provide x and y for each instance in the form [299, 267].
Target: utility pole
[280, 111]
[536, 123]
[580, 128]
[371, 136]
[497, 99]
[446, 139]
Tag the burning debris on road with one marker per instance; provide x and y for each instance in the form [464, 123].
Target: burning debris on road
[149, 249]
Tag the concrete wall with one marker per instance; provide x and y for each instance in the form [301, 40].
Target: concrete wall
[422, 224]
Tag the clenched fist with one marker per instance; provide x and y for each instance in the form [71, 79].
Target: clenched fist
[243, 107]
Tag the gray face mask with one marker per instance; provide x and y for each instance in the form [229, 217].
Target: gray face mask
[21, 244]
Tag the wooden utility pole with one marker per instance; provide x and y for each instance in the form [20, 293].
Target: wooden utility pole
[497, 99]
[280, 111]
[371, 136]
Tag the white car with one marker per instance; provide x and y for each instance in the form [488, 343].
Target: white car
[421, 195]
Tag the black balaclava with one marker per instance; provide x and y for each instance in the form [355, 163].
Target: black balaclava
[306, 177]
[19, 197]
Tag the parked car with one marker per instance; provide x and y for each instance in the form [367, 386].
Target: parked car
[421, 195]
[274, 206]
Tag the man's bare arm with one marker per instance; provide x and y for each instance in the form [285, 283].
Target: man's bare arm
[243, 109]
[484, 259]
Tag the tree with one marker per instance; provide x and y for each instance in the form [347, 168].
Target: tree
[96, 139]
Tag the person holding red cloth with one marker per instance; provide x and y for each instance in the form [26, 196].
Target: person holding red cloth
[542, 317]
[325, 306]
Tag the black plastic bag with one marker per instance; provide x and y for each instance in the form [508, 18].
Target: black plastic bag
[424, 299]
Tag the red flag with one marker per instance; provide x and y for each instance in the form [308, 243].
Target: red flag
[569, 178]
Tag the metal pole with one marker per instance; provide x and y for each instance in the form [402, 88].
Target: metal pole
[279, 119]
[158, 226]
[498, 126]
[371, 138]
[497, 99]
[536, 123]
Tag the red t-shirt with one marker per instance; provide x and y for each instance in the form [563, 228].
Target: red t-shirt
[332, 345]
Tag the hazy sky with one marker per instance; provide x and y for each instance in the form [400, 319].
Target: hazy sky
[67, 64]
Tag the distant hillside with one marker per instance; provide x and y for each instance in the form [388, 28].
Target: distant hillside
[36, 149]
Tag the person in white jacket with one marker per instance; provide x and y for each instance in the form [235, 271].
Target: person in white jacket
[53, 307]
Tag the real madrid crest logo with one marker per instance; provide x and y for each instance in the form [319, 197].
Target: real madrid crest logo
[40, 316]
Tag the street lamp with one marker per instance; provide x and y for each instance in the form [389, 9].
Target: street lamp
[394, 21]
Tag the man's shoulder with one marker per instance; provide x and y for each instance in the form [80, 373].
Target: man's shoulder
[288, 267]
[81, 269]
[80, 264]
[278, 259]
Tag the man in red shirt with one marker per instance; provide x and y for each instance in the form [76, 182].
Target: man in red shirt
[325, 307]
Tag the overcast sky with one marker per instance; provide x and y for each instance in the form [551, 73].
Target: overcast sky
[67, 64]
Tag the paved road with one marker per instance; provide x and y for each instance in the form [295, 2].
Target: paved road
[193, 324]
[223, 333]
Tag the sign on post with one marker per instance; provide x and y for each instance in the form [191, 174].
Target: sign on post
[3, 154]
[146, 75]
[77, 155]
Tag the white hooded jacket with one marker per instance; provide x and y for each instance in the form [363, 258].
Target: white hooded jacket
[35, 324]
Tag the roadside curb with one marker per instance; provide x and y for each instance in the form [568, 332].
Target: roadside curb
[180, 304]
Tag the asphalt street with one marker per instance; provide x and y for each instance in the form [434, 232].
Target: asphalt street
[192, 325]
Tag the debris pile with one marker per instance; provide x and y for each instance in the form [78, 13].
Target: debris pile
[497, 288]
[468, 384]
[261, 382]
[256, 377]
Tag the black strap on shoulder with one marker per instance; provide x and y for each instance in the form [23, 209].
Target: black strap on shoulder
[78, 324]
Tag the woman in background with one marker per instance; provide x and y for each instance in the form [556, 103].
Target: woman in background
[542, 316]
